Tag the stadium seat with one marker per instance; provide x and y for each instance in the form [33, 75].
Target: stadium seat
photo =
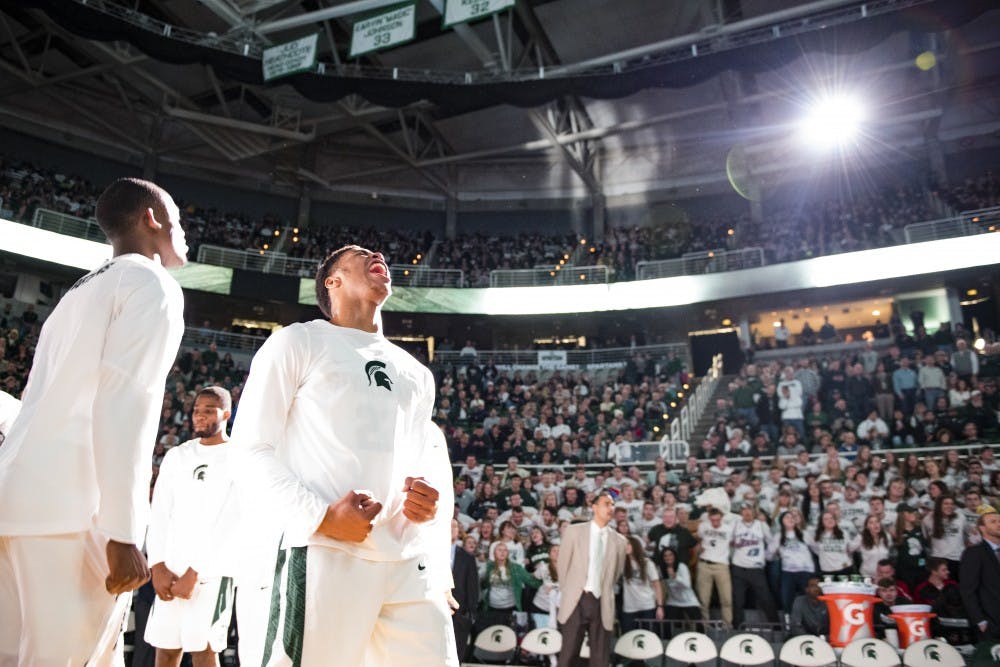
[542, 641]
[639, 645]
[932, 653]
[692, 648]
[869, 653]
[495, 644]
[807, 651]
[747, 649]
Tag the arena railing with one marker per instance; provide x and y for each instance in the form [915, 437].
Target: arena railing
[575, 359]
[422, 276]
[263, 261]
[69, 225]
[966, 223]
[682, 427]
[566, 275]
[699, 263]
[199, 337]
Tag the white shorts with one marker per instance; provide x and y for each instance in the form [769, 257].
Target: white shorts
[333, 609]
[253, 603]
[196, 624]
[54, 607]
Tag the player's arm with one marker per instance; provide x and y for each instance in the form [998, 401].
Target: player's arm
[438, 525]
[141, 341]
[275, 374]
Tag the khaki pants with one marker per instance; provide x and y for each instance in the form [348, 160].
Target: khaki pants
[715, 575]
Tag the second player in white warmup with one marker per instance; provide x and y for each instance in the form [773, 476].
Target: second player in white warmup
[335, 426]
[194, 516]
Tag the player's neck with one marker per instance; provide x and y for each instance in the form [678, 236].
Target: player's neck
[217, 439]
[131, 246]
[362, 316]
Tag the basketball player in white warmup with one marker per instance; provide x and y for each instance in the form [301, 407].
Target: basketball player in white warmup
[334, 424]
[75, 466]
[191, 535]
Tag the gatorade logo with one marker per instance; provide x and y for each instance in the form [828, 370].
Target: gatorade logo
[917, 628]
[854, 614]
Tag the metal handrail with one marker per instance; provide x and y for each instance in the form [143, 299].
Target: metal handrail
[69, 225]
[567, 275]
[194, 336]
[699, 263]
[423, 276]
[263, 261]
[574, 358]
[967, 223]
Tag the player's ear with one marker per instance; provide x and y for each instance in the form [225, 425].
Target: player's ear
[149, 220]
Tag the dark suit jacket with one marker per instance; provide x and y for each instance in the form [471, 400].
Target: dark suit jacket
[466, 589]
[979, 581]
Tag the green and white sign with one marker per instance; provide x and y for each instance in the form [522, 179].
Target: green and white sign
[290, 58]
[381, 31]
[461, 11]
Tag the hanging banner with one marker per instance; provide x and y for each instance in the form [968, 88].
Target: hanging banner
[551, 359]
[290, 58]
[384, 30]
[462, 11]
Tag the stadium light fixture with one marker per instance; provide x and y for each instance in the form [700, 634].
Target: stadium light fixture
[832, 122]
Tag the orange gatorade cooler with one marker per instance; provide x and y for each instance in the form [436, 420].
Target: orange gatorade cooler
[850, 605]
[913, 622]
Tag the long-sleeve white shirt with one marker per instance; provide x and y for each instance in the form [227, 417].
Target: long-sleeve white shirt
[78, 455]
[195, 512]
[327, 410]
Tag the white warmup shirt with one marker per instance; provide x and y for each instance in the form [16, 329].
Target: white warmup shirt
[9, 407]
[750, 544]
[327, 410]
[715, 542]
[194, 521]
[78, 455]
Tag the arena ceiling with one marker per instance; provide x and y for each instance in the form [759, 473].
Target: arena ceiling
[553, 100]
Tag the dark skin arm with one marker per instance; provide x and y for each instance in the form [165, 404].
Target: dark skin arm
[163, 580]
[183, 587]
[127, 568]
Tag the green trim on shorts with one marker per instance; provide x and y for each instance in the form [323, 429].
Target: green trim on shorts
[275, 612]
[295, 615]
[223, 598]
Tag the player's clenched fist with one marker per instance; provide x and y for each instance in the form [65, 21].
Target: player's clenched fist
[127, 566]
[350, 518]
[421, 500]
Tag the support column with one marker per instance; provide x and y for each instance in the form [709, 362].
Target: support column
[599, 213]
[450, 217]
[305, 207]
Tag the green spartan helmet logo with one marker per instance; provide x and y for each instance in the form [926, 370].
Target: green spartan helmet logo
[639, 641]
[373, 369]
[869, 650]
[497, 636]
[932, 652]
[543, 638]
[808, 649]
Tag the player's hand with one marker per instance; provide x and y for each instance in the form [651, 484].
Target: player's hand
[350, 518]
[183, 587]
[421, 500]
[127, 568]
[163, 579]
[452, 602]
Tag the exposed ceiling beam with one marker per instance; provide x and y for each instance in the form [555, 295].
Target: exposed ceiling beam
[319, 15]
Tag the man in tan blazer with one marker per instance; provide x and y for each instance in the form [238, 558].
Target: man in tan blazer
[591, 559]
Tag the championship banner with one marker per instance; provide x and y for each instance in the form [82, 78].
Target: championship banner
[290, 58]
[384, 30]
[463, 11]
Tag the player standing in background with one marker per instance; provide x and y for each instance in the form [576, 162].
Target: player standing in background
[194, 516]
[75, 467]
[335, 429]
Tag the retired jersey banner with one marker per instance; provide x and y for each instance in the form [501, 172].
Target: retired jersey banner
[384, 30]
[463, 11]
[290, 58]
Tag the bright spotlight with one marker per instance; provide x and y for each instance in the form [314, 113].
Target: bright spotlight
[832, 122]
[980, 344]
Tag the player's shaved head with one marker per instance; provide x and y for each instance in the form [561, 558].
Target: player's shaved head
[218, 394]
[121, 206]
[323, 272]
